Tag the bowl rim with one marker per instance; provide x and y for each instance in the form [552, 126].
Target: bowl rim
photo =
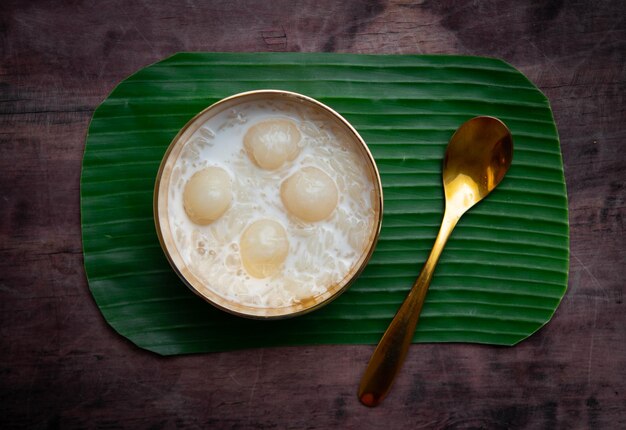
[161, 189]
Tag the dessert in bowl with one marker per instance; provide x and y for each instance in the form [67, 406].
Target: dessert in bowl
[268, 204]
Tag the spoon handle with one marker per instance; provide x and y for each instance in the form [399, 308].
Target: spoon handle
[387, 359]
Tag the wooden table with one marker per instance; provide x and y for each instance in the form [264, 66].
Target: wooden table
[62, 366]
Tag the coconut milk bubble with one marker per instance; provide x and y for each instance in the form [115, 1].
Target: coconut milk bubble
[311, 253]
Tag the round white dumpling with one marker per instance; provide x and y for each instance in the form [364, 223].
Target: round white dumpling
[207, 195]
[309, 194]
[272, 142]
[264, 248]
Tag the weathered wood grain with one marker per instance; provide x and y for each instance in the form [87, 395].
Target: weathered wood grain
[61, 366]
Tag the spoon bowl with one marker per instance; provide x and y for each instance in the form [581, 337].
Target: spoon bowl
[477, 158]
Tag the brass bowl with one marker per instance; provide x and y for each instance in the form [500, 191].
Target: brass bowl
[161, 217]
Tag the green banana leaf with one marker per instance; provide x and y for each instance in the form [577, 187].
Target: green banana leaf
[504, 269]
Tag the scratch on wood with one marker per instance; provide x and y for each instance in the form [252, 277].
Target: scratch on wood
[594, 279]
[275, 39]
[595, 314]
[593, 332]
[446, 378]
[134, 25]
[235, 380]
[254, 384]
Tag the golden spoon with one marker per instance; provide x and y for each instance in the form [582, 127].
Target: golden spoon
[478, 155]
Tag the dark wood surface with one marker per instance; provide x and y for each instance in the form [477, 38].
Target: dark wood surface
[62, 366]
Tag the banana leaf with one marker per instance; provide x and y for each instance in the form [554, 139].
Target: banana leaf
[501, 275]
